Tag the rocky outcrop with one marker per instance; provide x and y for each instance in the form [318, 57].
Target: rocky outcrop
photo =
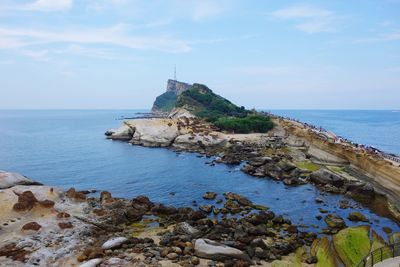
[10, 179]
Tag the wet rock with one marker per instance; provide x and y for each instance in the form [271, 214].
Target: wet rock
[208, 249]
[65, 225]
[210, 195]
[260, 218]
[319, 200]
[195, 261]
[26, 201]
[387, 230]
[105, 197]
[206, 208]
[334, 221]
[357, 217]
[361, 188]
[161, 209]
[344, 204]
[197, 215]
[142, 203]
[33, 226]
[114, 243]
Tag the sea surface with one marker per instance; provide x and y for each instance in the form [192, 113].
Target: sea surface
[67, 148]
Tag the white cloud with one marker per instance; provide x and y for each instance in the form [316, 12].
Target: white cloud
[308, 19]
[117, 35]
[50, 5]
[40, 5]
[390, 36]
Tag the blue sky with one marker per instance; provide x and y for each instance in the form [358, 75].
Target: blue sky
[263, 54]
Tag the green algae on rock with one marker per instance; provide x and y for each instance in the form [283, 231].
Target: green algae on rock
[352, 244]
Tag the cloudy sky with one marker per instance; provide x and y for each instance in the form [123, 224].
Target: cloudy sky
[263, 54]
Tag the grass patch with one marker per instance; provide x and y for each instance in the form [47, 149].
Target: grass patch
[352, 244]
[307, 165]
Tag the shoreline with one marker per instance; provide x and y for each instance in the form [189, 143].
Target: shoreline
[47, 227]
[340, 169]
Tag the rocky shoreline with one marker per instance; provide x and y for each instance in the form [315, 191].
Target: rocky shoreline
[45, 226]
[289, 153]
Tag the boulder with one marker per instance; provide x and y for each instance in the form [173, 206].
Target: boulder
[184, 228]
[125, 132]
[356, 216]
[210, 195]
[91, 263]
[154, 132]
[208, 249]
[10, 179]
[115, 242]
[324, 176]
[334, 221]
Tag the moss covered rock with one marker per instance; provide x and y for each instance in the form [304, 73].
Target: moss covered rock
[352, 244]
[322, 250]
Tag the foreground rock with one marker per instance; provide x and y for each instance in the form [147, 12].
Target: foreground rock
[208, 249]
[10, 179]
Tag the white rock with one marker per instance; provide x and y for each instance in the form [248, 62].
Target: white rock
[154, 132]
[122, 133]
[189, 140]
[209, 249]
[114, 242]
[10, 179]
[185, 229]
[91, 263]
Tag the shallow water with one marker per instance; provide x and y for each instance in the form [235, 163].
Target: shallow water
[68, 149]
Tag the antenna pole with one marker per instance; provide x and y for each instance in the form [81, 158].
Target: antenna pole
[175, 73]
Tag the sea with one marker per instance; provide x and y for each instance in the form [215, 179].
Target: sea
[67, 148]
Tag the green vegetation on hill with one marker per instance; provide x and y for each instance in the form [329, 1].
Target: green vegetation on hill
[221, 112]
[165, 102]
[202, 102]
[250, 123]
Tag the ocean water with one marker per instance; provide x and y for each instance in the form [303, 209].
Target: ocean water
[67, 148]
[377, 128]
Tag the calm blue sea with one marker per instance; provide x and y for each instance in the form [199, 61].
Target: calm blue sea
[67, 148]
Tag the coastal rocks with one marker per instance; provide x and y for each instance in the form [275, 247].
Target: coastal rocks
[199, 140]
[184, 228]
[91, 263]
[357, 217]
[10, 179]
[334, 221]
[208, 249]
[352, 244]
[75, 195]
[154, 132]
[210, 195]
[206, 208]
[125, 132]
[324, 176]
[114, 243]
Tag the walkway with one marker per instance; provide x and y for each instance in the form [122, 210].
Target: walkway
[394, 262]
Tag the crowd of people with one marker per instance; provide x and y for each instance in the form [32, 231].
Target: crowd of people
[329, 136]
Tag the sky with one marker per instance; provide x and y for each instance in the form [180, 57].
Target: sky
[118, 54]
